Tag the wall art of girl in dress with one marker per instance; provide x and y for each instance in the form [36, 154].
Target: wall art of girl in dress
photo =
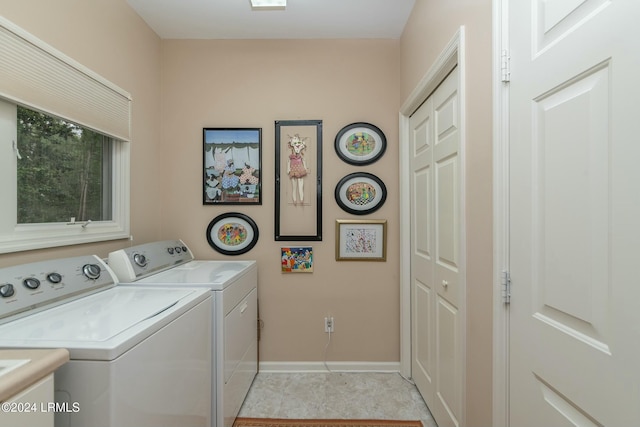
[297, 167]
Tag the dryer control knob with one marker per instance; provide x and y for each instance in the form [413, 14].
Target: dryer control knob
[140, 260]
[54, 277]
[6, 290]
[31, 283]
[92, 271]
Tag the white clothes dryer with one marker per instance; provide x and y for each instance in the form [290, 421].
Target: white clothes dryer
[138, 357]
[235, 315]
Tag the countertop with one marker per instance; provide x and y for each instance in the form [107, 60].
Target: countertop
[42, 363]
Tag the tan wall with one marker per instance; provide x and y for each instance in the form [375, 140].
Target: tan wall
[431, 26]
[110, 39]
[245, 83]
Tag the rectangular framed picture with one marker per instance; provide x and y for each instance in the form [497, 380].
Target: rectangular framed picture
[297, 259]
[361, 240]
[298, 192]
[232, 162]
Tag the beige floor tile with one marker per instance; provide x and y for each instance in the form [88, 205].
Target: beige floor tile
[335, 395]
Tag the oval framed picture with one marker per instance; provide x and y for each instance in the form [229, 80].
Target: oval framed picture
[232, 233]
[360, 193]
[360, 143]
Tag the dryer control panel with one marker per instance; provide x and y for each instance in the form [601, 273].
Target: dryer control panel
[27, 288]
[136, 262]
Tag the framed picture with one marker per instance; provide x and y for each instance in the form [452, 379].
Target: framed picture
[361, 240]
[232, 160]
[360, 193]
[298, 192]
[296, 259]
[360, 143]
[232, 233]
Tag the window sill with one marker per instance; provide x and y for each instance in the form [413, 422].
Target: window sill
[39, 236]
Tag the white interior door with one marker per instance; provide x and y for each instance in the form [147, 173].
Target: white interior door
[435, 190]
[574, 213]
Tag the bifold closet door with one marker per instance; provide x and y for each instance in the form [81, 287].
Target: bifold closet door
[435, 251]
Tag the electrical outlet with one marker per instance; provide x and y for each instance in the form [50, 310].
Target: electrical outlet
[328, 324]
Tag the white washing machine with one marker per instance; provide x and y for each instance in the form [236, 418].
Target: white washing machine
[139, 357]
[235, 314]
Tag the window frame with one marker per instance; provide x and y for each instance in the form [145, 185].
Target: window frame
[16, 237]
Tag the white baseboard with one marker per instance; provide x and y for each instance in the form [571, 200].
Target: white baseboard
[290, 367]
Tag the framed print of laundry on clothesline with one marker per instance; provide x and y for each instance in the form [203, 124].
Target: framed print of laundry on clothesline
[232, 161]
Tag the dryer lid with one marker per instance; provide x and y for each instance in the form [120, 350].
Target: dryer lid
[216, 275]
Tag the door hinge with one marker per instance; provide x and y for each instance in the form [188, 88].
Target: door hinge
[506, 287]
[505, 66]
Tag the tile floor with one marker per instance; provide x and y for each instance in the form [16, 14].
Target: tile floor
[335, 395]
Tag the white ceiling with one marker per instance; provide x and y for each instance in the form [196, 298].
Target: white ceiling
[302, 19]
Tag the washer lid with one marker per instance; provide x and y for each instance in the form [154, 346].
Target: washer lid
[114, 319]
[215, 275]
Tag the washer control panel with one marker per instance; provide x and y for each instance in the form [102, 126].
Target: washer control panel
[35, 286]
[134, 263]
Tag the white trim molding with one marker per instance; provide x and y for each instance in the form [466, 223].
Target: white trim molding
[500, 214]
[291, 367]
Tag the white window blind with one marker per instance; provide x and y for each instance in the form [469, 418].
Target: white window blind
[36, 75]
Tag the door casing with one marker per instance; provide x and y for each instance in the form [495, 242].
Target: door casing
[500, 392]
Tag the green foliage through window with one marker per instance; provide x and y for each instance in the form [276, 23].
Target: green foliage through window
[63, 172]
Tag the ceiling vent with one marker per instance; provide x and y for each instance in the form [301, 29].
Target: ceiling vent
[268, 4]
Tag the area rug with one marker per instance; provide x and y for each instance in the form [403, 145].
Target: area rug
[288, 422]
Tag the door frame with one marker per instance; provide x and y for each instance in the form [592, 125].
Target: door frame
[500, 392]
[453, 55]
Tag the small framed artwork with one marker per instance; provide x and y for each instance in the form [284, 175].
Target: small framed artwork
[232, 233]
[297, 260]
[360, 143]
[361, 240]
[298, 192]
[360, 193]
[232, 161]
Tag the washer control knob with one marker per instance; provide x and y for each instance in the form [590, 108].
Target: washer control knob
[31, 283]
[54, 278]
[140, 260]
[91, 271]
[6, 290]
[178, 249]
[170, 250]
[184, 249]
